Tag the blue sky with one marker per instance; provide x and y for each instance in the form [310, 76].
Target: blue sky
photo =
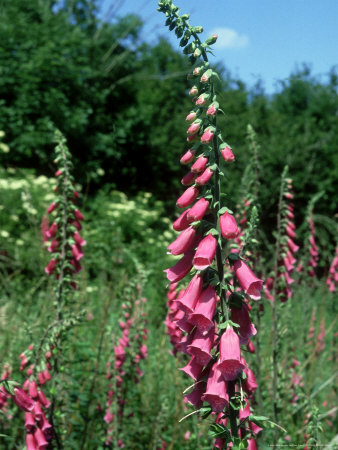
[264, 39]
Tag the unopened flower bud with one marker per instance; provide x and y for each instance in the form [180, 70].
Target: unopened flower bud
[193, 91]
[191, 116]
[226, 152]
[202, 99]
[212, 110]
[194, 127]
[188, 157]
[212, 39]
[208, 135]
[206, 76]
[197, 52]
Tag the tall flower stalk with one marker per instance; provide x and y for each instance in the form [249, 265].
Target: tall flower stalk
[65, 244]
[212, 309]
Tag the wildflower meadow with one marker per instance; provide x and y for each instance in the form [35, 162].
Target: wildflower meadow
[168, 241]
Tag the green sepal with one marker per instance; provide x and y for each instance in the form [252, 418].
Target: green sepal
[213, 232]
[197, 29]
[232, 257]
[172, 25]
[236, 300]
[238, 444]
[225, 209]
[213, 167]
[189, 48]
[205, 411]
[219, 431]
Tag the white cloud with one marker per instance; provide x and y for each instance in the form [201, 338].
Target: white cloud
[229, 38]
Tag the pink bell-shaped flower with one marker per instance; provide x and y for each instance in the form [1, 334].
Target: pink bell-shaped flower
[188, 301]
[197, 211]
[230, 355]
[250, 284]
[183, 242]
[205, 177]
[216, 392]
[205, 252]
[188, 157]
[204, 311]
[246, 328]
[188, 197]
[200, 164]
[201, 345]
[228, 226]
[182, 222]
[193, 368]
[181, 268]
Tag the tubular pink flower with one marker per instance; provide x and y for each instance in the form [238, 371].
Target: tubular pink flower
[78, 239]
[33, 390]
[205, 177]
[200, 164]
[188, 157]
[182, 222]
[201, 346]
[216, 392]
[246, 328]
[51, 207]
[188, 301]
[76, 253]
[207, 136]
[290, 232]
[192, 138]
[40, 439]
[204, 311]
[292, 246]
[193, 369]
[44, 400]
[53, 246]
[249, 384]
[205, 252]
[181, 268]
[22, 400]
[188, 197]
[31, 442]
[251, 444]
[78, 215]
[248, 281]
[29, 422]
[50, 268]
[227, 154]
[188, 179]
[183, 242]
[250, 347]
[230, 355]
[52, 230]
[194, 398]
[228, 226]
[197, 211]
